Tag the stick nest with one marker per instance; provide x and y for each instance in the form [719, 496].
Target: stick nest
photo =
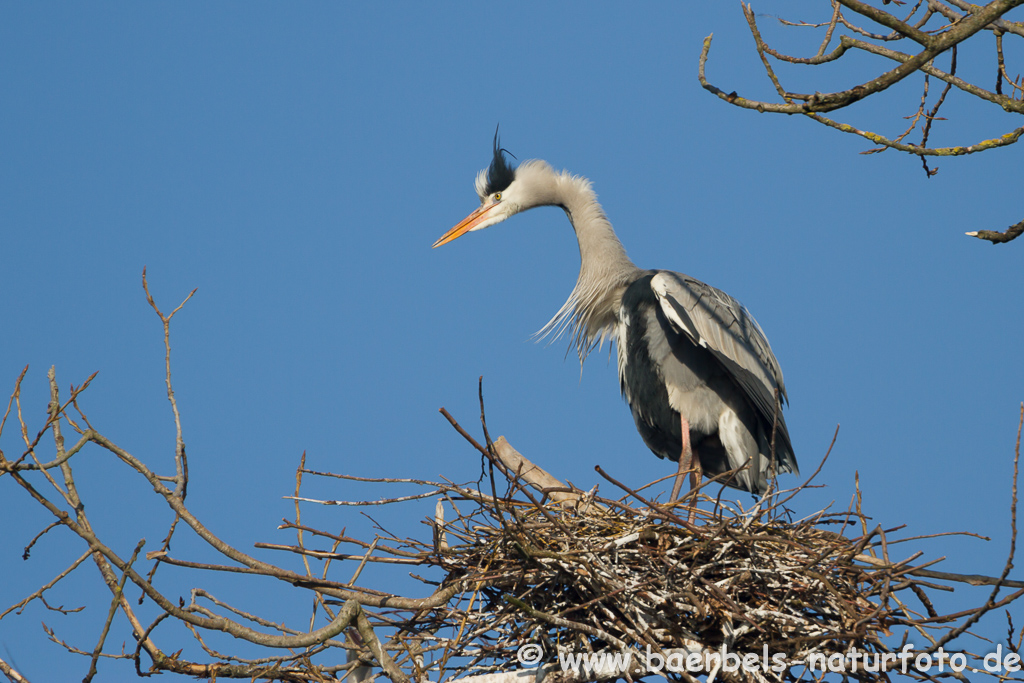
[573, 572]
[599, 576]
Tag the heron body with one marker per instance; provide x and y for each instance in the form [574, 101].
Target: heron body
[694, 366]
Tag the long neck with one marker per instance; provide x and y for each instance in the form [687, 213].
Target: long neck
[591, 311]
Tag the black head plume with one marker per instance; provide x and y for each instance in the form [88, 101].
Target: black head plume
[500, 174]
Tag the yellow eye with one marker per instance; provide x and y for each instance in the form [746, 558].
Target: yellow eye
[497, 196]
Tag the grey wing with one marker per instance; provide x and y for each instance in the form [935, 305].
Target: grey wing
[716, 321]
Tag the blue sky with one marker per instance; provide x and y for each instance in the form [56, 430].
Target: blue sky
[295, 163]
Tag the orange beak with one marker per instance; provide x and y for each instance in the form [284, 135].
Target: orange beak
[466, 224]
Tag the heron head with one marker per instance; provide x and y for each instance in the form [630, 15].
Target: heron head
[496, 187]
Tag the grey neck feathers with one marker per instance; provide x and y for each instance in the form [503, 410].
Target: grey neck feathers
[590, 314]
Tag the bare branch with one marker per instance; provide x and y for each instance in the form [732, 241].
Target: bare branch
[11, 673]
[180, 460]
[45, 587]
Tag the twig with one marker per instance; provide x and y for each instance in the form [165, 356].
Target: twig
[180, 460]
[110, 615]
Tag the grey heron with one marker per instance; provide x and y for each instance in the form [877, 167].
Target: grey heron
[694, 366]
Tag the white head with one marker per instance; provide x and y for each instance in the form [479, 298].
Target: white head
[505, 191]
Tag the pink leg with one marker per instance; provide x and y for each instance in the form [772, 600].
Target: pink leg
[687, 461]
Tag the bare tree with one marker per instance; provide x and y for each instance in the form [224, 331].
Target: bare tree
[927, 30]
[521, 571]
